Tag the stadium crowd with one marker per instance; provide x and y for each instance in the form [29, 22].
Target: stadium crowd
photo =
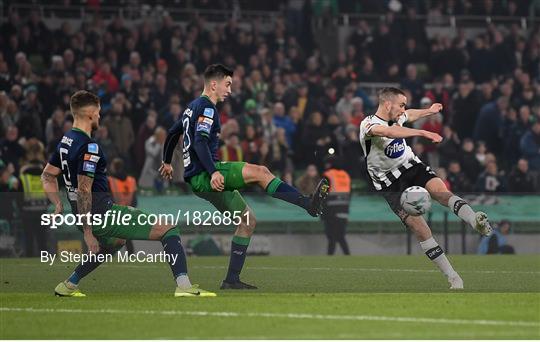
[289, 106]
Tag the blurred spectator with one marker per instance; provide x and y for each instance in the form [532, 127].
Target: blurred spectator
[308, 181]
[457, 179]
[10, 149]
[513, 135]
[123, 189]
[123, 137]
[468, 160]
[449, 148]
[54, 129]
[497, 242]
[105, 77]
[153, 151]
[357, 111]
[231, 151]
[530, 146]
[34, 202]
[489, 124]
[31, 115]
[283, 121]
[465, 108]
[336, 207]
[251, 146]
[109, 148]
[316, 139]
[521, 179]
[490, 181]
[250, 117]
[145, 132]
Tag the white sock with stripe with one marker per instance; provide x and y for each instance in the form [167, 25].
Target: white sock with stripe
[435, 253]
[462, 209]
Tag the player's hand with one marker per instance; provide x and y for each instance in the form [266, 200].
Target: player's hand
[166, 170]
[435, 108]
[218, 181]
[434, 137]
[58, 208]
[91, 242]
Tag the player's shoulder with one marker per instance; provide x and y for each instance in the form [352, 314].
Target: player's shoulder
[369, 120]
[202, 106]
[86, 143]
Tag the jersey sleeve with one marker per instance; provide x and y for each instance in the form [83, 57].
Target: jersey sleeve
[404, 118]
[54, 160]
[203, 128]
[171, 141]
[205, 121]
[88, 159]
[365, 128]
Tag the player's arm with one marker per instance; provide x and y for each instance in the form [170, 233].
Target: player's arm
[84, 206]
[203, 128]
[50, 186]
[173, 136]
[396, 131]
[415, 114]
[86, 168]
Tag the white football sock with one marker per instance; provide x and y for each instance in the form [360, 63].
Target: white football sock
[182, 281]
[435, 253]
[461, 208]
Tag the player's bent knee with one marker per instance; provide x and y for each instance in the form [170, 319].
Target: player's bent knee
[161, 232]
[248, 221]
[264, 170]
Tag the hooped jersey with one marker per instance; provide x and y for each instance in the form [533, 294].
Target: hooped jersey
[78, 154]
[386, 158]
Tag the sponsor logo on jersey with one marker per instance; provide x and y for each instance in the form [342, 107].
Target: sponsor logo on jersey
[395, 149]
[206, 120]
[91, 157]
[89, 166]
[93, 148]
[209, 112]
[204, 127]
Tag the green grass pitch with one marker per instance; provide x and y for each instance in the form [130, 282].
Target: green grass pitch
[390, 297]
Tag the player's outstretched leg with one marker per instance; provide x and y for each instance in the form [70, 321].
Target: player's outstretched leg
[239, 246]
[170, 239]
[477, 220]
[276, 188]
[433, 251]
[70, 286]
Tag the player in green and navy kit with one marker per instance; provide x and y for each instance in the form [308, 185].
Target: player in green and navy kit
[81, 162]
[219, 182]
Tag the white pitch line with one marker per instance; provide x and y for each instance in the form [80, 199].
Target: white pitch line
[345, 269]
[280, 315]
[273, 268]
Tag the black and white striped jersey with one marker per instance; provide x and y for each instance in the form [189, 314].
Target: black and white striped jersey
[386, 158]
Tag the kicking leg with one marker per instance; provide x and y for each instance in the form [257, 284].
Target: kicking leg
[459, 206]
[432, 249]
[276, 188]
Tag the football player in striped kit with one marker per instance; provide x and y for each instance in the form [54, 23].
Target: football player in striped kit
[393, 167]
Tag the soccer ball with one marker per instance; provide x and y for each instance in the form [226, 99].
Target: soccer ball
[415, 200]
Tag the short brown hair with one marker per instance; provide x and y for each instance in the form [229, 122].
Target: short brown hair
[386, 93]
[82, 98]
[216, 71]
